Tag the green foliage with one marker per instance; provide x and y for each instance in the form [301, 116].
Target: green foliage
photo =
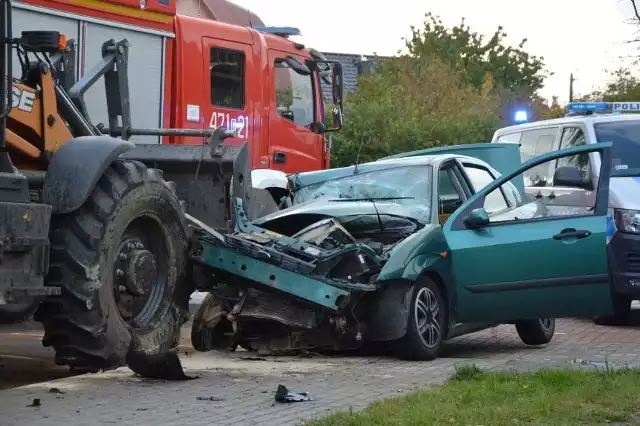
[511, 68]
[452, 87]
[411, 103]
[546, 397]
[624, 87]
[545, 111]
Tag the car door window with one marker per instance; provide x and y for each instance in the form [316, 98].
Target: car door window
[574, 136]
[534, 208]
[510, 137]
[294, 95]
[449, 197]
[533, 143]
[481, 177]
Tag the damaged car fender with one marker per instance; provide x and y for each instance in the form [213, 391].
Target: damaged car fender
[424, 253]
[412, 256]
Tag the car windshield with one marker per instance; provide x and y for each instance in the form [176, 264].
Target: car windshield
[408, 186]
[625, 135]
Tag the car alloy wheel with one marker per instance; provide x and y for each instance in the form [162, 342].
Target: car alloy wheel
[427, 317]
[546, 323]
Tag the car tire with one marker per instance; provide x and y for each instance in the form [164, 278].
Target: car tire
[132, 223]
[536, 332]
[426, 325]
[621, 312]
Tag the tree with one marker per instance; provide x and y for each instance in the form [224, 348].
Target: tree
[624, 87]
[411, 103]
[451, 87]
[512, 68]
[542, 110]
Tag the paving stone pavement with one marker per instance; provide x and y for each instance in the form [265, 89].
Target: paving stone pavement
[246, 387]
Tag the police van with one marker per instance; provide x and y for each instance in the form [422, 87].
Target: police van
[567, 186]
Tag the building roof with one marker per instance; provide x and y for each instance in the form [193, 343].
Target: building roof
[349, 63]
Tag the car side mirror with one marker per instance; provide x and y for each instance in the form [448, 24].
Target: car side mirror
[570, 176]
[478, 218]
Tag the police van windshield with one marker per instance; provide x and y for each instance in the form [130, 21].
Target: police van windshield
[625, 153]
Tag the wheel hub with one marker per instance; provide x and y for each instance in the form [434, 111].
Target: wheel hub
[136, 272]
[141, 272]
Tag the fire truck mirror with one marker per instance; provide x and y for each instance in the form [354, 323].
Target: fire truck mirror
[337, 88]
[297, 66]
[336, 114]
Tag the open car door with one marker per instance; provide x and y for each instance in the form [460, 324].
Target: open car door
[525, 262]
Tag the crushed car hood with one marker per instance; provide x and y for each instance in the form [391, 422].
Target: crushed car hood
[404, 208]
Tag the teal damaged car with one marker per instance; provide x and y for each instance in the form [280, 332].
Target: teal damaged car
[408, 251]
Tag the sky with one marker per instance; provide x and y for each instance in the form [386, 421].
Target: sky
[584, 37]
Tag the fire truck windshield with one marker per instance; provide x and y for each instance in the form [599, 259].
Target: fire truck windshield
[295, 98]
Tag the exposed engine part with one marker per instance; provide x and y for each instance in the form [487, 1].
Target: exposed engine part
[339, 323]
[327, 234]
[267, 306]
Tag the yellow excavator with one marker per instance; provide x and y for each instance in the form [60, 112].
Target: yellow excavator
[93, 231]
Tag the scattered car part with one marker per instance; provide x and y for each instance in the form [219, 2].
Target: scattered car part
[285, 395]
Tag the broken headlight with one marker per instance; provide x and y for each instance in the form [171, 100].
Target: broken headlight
[627, 220]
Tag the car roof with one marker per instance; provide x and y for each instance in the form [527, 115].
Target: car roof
[575, 119]
[300, 180]
[419, 160]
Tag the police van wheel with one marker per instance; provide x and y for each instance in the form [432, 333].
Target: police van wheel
[621, 312]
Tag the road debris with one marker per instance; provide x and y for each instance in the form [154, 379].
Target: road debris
[55, 390]
[35, 403]
[253, 358]
[164, 366]
[286, 396]
[210, 398]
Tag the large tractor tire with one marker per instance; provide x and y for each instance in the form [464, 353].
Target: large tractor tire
[121, 260]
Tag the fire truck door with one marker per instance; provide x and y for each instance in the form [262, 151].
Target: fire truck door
[227, 89]
[293, 112]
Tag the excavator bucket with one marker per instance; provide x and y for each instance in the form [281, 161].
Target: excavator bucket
[207, 177]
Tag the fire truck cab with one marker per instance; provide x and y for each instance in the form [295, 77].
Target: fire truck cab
[189, 72]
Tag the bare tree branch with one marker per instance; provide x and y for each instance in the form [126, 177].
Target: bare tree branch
[635, 9]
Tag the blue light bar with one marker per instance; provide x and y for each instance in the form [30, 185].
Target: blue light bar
[520, 116]
[588, 106]
[279, 31]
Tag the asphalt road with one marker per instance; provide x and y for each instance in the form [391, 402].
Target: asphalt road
[23, 359]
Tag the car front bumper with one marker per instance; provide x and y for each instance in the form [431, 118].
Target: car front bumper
[624, 261]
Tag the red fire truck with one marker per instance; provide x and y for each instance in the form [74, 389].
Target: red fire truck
[193, 73]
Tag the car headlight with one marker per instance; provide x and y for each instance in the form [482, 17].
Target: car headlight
[627, 220]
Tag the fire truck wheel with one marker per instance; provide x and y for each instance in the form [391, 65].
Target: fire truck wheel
[121, 262]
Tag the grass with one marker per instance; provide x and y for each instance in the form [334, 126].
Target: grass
[473, 397]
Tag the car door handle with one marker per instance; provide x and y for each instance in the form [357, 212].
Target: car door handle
[572, 233]
[279, 157]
